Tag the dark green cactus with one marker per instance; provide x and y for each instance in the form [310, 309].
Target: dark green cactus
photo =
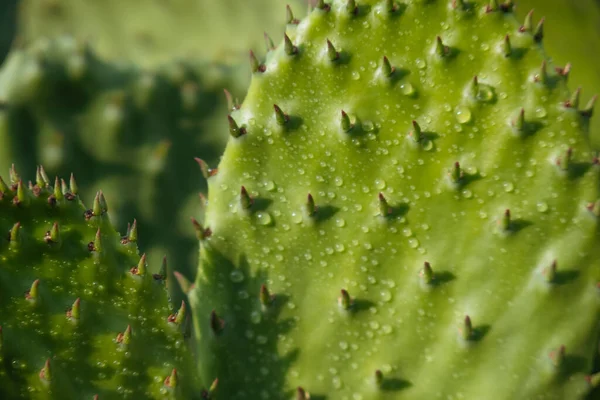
[407, 208]
[80, 312]
[132, 133]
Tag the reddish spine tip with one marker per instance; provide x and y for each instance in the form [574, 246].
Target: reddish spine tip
[301, 394]
[245, 200]
[46, 372]
[216, 324]
[265, 297]
[345, 301]
[171, 380]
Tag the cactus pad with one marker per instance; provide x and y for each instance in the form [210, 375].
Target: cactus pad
[80, 313]
[407, 208]
[130, 132]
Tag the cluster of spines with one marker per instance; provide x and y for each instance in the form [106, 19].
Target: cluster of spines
[22, 197]
[466, 330]
[518, 124]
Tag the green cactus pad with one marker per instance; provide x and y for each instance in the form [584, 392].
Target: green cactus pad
[407, 208]
[153, 32]
[129, 131]
[80, 314]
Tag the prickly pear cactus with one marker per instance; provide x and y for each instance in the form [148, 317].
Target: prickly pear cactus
[153, 32]
[80, 313]
[407, 208]
[575, 41]
[131, 132]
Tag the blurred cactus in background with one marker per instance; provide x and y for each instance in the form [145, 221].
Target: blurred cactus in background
[152, 32]
[126, 95]
[132, 133]
[575, 40]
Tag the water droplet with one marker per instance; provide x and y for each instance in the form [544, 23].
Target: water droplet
[463, 115]
[236, 275]
[339, 247]
[368, 126]
[540, 112]
[338, 181]
[427, 144]
[380, 184]
[260, 339]
[420, 63]
[341, 222]
[355, 75]
[337, 382]
[296, 217]
[407, 89]
[386, 329]
[386, 295]
[413, 243]
[291, 305]
[270, 186]
[542, 207]
[374, 325]
[264, 218]
[467, 194]
[255, 317]
[508, 187]
[344, 345]
[485, 93]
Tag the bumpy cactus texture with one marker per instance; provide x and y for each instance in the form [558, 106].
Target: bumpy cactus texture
[80, 313]
[407, 208]
[132, 133]
[574, 38]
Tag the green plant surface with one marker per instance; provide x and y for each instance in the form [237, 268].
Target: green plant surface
[574, 37]
[406, 208]
[153, 32]
[8, 17]
[80, 313]
[129, 131]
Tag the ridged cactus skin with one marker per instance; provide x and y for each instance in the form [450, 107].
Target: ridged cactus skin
[407, 209]
[80, 313]
[129, 131]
